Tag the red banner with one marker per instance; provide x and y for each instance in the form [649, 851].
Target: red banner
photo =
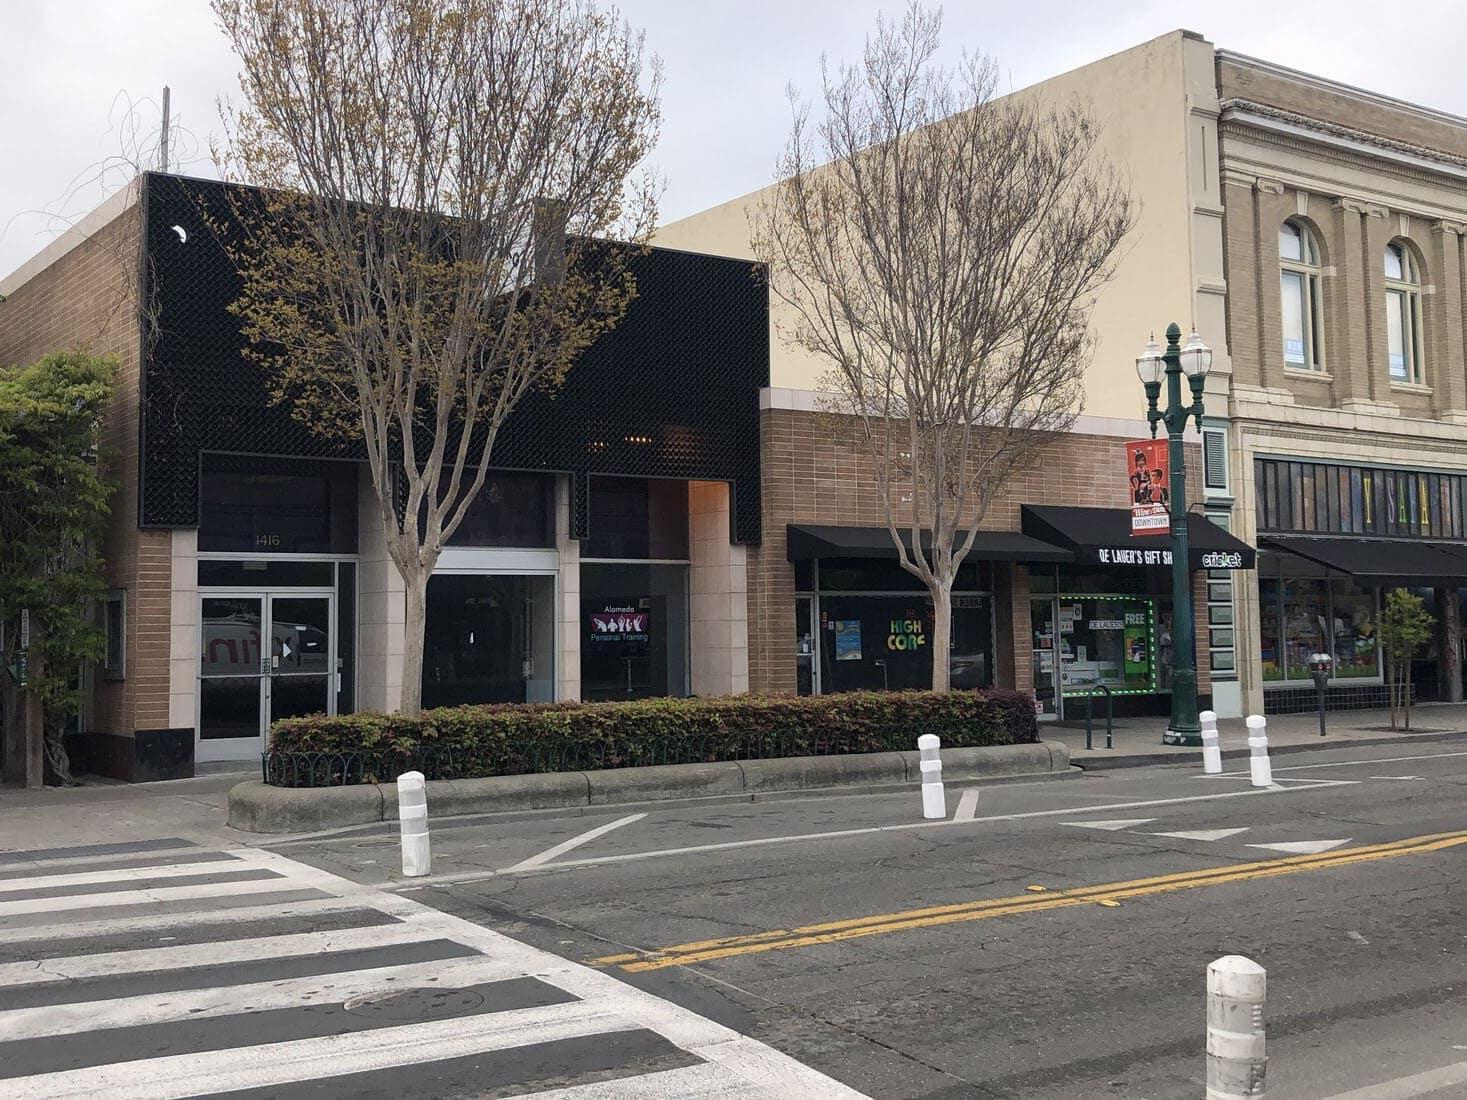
[1151, 495]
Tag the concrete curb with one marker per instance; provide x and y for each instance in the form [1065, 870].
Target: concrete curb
[257, 808]
[1089, 760]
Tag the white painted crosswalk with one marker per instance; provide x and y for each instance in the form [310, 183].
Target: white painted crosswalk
[179, 973]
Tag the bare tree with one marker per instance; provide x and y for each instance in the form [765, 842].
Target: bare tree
[942, 250]
[437, 176]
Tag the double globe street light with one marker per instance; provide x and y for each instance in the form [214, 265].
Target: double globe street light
[1194, 360]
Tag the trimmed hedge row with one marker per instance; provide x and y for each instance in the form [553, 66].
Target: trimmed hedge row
[513, 739]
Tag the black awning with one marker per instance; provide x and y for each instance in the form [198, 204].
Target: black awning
[1103, 536]
[1403, 560]
[804, 542]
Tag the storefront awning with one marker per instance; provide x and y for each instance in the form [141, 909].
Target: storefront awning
[1402, 560]
[805, 542]
[1102, 536]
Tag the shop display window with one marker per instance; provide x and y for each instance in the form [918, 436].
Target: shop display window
[1298, 617]
[1110, 641]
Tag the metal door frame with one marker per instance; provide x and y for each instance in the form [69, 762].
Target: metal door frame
[241, 748]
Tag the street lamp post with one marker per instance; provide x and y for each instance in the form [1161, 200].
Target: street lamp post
[1193, 360]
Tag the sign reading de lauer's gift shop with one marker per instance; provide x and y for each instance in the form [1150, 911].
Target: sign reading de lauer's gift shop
[1150, 488]
[1201, 559]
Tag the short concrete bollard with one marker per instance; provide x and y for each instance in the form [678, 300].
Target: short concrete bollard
[1211, 749]
[1236, 1059]
[1258, 766]
[412, 817]
[934, 798]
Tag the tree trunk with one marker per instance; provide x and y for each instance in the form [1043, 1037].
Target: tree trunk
[415, 621]
[942, 628]
[35, 729]
[1406, 691]
[1450, 648]
[1391, 686]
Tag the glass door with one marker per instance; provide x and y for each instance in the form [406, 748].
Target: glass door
[1047, 644]
[302, 666]
[232, 677]
[246, 682]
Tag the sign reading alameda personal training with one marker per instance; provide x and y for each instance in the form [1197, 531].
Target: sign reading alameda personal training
[1146, 463]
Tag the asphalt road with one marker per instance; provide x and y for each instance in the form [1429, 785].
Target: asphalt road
[1054, 945]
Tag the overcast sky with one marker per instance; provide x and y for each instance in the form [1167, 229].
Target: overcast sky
[74, 69]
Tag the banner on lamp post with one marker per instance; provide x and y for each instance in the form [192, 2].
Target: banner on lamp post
[1151, 496]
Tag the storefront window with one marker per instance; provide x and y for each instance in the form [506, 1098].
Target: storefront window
[1303, 611]
[1272, 656]
[634, 631]
[638, 518]
[1301, 617]
[268, 506]
[489, 639]
[883, 643]
[1107, 640]
[1354, 648]
[510, 510]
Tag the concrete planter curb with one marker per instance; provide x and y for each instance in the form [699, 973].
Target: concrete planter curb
[1094, 760]
[257, 808]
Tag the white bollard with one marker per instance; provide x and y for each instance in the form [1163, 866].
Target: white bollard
[1236, 1059]
[934, 798]
[1211, 749]
[412, 818]
[1258, 765]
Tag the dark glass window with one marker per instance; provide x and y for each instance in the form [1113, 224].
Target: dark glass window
[274, 506]
[510, 510]
[638, 518]
[489, 639]
[1319, 497]
[266, 574]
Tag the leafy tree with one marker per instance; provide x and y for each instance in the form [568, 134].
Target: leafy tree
[942, 250]
[438, 177]
[53, 511]
[1405, 626]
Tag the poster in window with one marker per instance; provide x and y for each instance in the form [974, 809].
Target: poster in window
[847, 639]
[1150, 488]
[618, 625]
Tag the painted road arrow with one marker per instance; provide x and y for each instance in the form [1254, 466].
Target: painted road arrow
[1207, 834]
[1303, 847]
[1111, 826]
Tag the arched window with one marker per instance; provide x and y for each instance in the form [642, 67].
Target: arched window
[1299, 279]
[1403, 314]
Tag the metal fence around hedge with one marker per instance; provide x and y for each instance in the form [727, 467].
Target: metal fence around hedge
[340, 769]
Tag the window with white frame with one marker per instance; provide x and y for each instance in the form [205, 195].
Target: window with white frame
[1299, 285]
[114, 635]
[1403, 314]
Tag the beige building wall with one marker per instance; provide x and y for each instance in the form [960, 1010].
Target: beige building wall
[718, 602]
[1156, 108]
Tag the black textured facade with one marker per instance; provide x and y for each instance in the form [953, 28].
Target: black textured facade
[671, 392]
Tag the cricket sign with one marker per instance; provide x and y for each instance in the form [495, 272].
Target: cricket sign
[1151, 496]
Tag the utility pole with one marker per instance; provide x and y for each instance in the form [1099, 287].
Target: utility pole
[163, 138]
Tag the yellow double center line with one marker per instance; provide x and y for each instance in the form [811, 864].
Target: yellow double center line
[1108, 893]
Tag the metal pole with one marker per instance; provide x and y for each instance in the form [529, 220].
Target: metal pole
[1184, 727]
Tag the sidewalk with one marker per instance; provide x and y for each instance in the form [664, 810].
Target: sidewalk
[106, 812]
[1138, 740]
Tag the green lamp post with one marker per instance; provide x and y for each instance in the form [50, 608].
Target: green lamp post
[1193, 360]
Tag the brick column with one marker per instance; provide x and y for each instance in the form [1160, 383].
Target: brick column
[718, 600]
[1443, 320]
[1345, 305]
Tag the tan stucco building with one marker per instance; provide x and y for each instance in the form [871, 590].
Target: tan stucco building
[1313, 234]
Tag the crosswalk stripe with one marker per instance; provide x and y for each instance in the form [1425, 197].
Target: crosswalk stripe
[141, 897]
[197, 1004]
[146, 960]
[219, 864]
[181, 1075]
[704, 1081]
[161, 921]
